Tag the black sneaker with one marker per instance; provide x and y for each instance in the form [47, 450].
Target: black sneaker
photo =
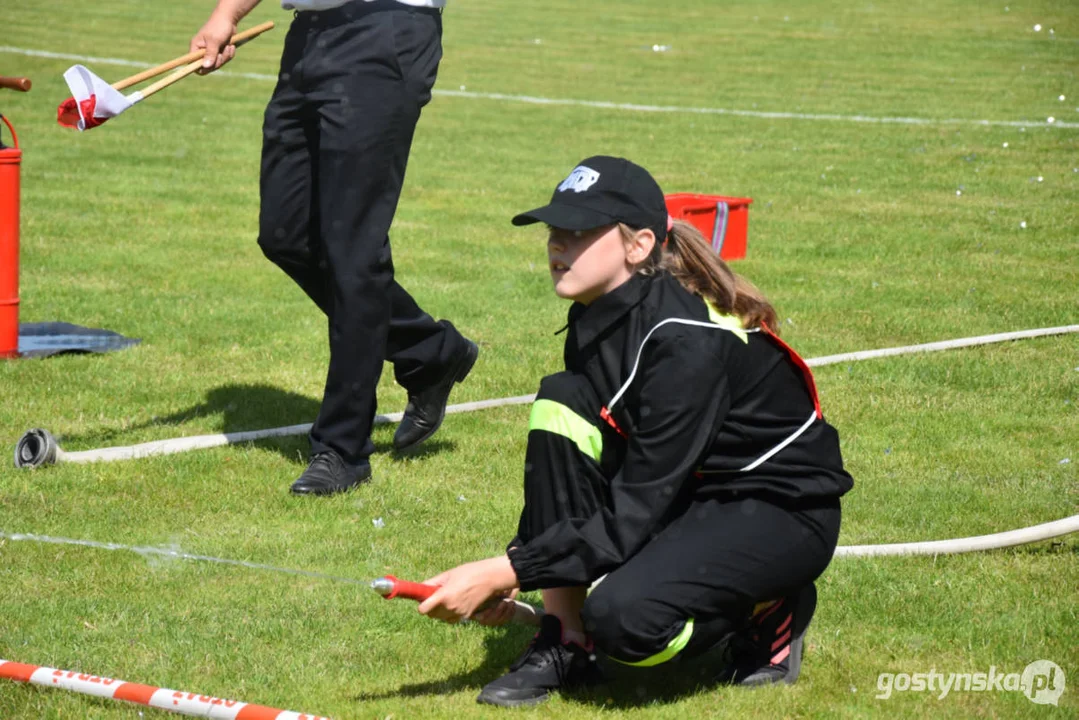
[548, 665]
[425, 410]
[327, 474]
[770, 650]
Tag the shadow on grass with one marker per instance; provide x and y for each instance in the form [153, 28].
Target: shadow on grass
[431, 447]
[241, 407]
[662, 685]
[1065, 545]
[500, 649]
[626, 687]
[255, 407]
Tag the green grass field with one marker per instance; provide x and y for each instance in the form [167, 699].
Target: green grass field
[864, 234]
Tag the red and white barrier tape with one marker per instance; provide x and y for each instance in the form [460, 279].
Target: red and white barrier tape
[184, 703]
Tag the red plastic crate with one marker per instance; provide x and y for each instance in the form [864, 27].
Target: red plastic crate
[724, 221]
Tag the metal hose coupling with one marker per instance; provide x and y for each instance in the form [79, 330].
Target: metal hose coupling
[35, 448]
[383, 586]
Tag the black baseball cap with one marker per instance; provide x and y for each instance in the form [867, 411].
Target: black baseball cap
[600, 191]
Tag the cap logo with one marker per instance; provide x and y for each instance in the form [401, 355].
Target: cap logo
[579, 180]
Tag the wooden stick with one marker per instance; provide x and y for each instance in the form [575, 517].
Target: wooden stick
[174, 77]
[238, 39]
[15, 83]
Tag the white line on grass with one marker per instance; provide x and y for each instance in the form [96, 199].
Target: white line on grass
[170, 553]
[631, 107]
[954, 546]
[116, 61]
[606, 105]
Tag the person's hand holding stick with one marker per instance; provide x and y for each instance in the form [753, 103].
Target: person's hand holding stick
[216, 36]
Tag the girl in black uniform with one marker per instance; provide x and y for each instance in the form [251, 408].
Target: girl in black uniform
[682, 454]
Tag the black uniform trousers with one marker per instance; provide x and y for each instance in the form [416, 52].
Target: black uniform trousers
[700, 576]
[336, 139]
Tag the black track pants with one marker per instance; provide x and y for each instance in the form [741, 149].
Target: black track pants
[336, 139]
[701, 575]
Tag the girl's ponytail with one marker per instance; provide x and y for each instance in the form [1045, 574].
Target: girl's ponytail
[693, 262]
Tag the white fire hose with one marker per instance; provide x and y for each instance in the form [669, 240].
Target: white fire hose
[38, 447]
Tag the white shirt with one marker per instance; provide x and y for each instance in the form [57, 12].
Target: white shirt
[327, 4]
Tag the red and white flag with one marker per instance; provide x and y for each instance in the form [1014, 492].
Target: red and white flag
[92, 101]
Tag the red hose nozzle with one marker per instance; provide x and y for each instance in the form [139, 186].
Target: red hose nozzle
[390, 587]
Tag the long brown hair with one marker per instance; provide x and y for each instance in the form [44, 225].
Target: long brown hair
[691, 260]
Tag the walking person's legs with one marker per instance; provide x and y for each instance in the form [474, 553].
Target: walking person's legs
[428, 359]
[337, 138]
[288, 229]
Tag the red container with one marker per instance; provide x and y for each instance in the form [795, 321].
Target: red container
[724, 221]
[10, 159]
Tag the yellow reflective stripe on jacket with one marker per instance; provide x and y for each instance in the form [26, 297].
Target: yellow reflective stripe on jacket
[675, 646]
[556, 418]
[727, 322]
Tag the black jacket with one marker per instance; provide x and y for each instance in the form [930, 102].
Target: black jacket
[704, 405]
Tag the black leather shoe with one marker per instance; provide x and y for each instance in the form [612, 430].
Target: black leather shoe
[327, 474]
[548, 665]
[425, 410]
